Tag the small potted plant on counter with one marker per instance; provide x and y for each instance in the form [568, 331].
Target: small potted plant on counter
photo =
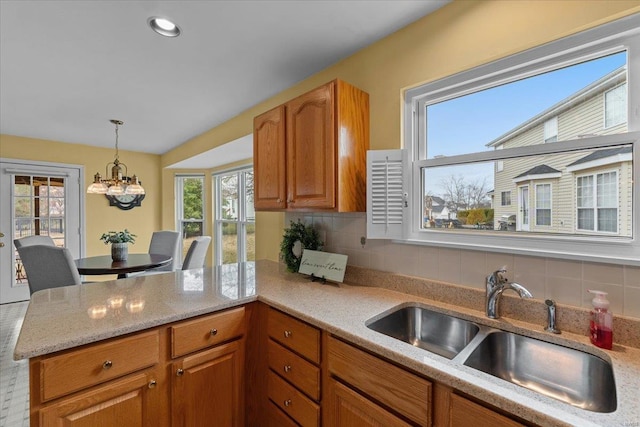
[119, 241]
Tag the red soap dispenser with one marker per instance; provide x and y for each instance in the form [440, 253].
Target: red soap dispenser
[601, 324]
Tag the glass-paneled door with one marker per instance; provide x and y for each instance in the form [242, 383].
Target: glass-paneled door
[36, 200]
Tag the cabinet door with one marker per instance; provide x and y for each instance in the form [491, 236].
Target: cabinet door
[131, 401]
[311, 149]
[207, 387]
[463, 412]
[269, 160]
[346, 408]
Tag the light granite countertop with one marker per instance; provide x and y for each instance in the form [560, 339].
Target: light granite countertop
[63, 318]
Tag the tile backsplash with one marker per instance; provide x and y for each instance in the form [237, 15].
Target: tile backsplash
[564, 281]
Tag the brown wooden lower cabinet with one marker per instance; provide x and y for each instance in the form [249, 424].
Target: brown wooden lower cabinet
[135, 381]
[129, 401]
[463, 412]
[206, 387]
[347, 408]
[251, 366]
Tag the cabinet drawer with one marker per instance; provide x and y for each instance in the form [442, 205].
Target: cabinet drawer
[294, 334]
[98, 363]
[298, 406]
[295, 404]
[277, 418]
[347, 408]
[389, 384]
[193, 335]
[304, 375]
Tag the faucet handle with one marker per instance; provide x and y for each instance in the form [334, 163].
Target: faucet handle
[499, 275]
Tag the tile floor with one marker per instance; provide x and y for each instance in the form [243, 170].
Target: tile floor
[14, 376]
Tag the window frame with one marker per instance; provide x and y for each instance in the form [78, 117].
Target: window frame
[617, 36]
[594, 201]
[605, 125]
[550, 200]
[241, 221]
[179, 192]
[553, 124]
[502, 198]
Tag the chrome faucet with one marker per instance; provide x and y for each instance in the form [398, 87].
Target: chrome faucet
[551, 313]
[497, 283]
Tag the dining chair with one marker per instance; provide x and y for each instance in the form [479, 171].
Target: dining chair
[33, 240]
[166, 243]
[48, 267]
[197, 252]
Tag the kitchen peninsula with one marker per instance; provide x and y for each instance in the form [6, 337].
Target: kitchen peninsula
[171, 327]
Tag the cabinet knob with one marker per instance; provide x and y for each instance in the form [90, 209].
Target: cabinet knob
[152, 384]
[287, 368]
[180, 372]
[213, 332]
[288, 334]
[107, 364]
[287, 402]
[279, 200]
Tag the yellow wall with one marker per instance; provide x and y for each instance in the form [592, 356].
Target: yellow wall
[461, 35]
[100, 217]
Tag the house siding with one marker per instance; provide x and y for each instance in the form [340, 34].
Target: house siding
[586, 117]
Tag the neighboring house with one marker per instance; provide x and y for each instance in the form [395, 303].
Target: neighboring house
[586, 192]
[436, 208]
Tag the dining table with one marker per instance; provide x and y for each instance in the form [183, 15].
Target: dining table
[103, 264]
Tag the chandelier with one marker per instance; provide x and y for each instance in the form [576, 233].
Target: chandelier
[119, 183]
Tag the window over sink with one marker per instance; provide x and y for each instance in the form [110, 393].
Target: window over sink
[535, 153]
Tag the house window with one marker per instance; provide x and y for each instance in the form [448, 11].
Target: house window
[615, 106]
[506, 198]
[597, 202]
[189, 208]
[543, 204]
[510, 108]
[551, 130]
[235, 217]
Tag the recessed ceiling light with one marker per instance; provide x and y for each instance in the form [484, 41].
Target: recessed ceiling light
[163, 26]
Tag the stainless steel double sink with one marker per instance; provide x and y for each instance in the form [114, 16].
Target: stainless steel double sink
[569, 375]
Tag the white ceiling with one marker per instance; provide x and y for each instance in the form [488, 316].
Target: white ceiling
[67, 67]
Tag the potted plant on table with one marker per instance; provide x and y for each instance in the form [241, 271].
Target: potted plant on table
[119, 241]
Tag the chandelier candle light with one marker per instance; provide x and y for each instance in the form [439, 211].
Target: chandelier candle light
[119, 183]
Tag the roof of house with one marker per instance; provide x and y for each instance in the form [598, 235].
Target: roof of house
[601, 154]
[438, 200]
[538, 170]
[614, 78]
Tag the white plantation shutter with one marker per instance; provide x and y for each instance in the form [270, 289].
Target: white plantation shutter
[386, 194]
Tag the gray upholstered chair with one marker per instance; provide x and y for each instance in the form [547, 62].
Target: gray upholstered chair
[33, 240]
[48, 267]
[196, 253]
[166, 243]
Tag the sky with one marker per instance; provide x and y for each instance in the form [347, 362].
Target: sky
[466, 124]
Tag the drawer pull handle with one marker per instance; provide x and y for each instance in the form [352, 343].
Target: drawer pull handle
[107, 364]
[287, 402]
[288, 334]
[152, 384]
[180, 372]
[213, 332]
[287, 368]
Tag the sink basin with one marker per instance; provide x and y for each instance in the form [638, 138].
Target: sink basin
[569, 375]
[436, 332]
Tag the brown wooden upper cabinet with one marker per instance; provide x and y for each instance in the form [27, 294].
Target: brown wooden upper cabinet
[310, 153]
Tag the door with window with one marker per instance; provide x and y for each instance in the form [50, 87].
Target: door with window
[234, 217]
[523, 208]
[37, 199]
